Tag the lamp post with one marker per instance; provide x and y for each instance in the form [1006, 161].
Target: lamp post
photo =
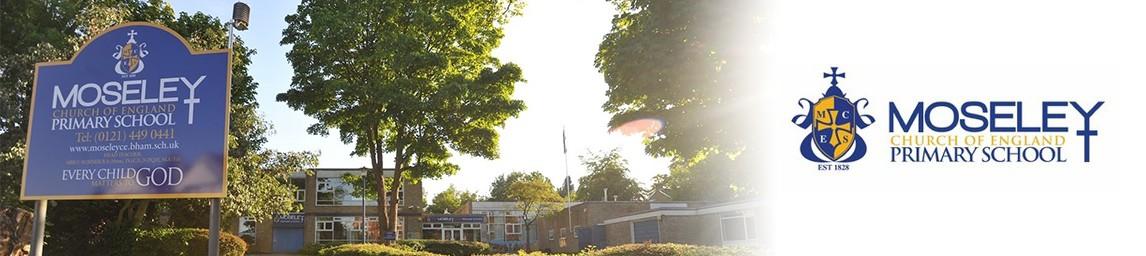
[365, 225]
[240, 17]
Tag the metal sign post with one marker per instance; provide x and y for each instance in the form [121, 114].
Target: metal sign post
[213, 242]
[38, 229]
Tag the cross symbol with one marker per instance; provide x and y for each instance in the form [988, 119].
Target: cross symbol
[833, 75]
[132, 34]
[827, 120]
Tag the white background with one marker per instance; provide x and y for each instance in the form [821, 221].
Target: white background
[910, 51]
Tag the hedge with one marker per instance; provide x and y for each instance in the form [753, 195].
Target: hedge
[452, 248]
[665, 249]
[369, 250]
[184, 241]
[668, 249]
[312, 249]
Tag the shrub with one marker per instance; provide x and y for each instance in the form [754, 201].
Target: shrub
[184, 241]
[452, 248]
[523, 253]
[369, 250]
[312, 249]
[668, 249]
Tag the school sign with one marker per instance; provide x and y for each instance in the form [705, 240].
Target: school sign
[136, 113]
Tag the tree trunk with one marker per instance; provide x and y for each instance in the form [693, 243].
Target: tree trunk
[123, 210]
[380, 187]
[527, 238]
[140, 213]
[400, 159]
[379, 175]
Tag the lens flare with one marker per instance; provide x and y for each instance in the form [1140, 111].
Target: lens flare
[646, 127]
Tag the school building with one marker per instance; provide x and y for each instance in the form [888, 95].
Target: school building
[604, 224]
[332, 214]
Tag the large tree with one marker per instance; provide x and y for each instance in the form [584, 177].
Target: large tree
[413, 79]
[608, 171]
[52, 30]
[681, 63]
[451, 200]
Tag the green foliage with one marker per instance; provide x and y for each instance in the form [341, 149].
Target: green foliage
[451, 200]
[369, 250]
[499, 189]
[184, 241]
[682, 63]
[259, 184]
[607, 170]
[445, 247]
[411, 78]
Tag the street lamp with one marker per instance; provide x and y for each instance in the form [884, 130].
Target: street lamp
[239, 20]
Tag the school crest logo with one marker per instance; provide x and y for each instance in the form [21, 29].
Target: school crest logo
[834, 121]
[130, 56]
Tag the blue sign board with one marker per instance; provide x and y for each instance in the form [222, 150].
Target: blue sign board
[136, 113]
[289, 220]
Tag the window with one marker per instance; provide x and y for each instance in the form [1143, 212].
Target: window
[562, 232]
[400, 226]
[247, 226]
[646, 231]
[346, 229]
[247, 229]
[300, 190]
[513, 228]
[738, 228]
[550, 235]
[750, 226]
[332, 191]
[575, 228]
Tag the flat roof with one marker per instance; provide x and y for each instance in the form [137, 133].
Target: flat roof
[688, 211]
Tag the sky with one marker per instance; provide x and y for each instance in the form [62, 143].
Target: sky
[554, 42]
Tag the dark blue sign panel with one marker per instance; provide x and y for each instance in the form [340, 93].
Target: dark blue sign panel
[135, 114]
[293, 220]
[456, 218]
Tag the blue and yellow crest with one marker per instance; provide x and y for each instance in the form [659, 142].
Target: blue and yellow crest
[130, 56]
[834, 120]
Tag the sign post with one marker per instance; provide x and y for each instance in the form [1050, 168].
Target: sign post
[38, 229]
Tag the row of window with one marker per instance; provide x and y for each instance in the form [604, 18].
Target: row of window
[330, 229]
[333, 191]
[451, 225]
